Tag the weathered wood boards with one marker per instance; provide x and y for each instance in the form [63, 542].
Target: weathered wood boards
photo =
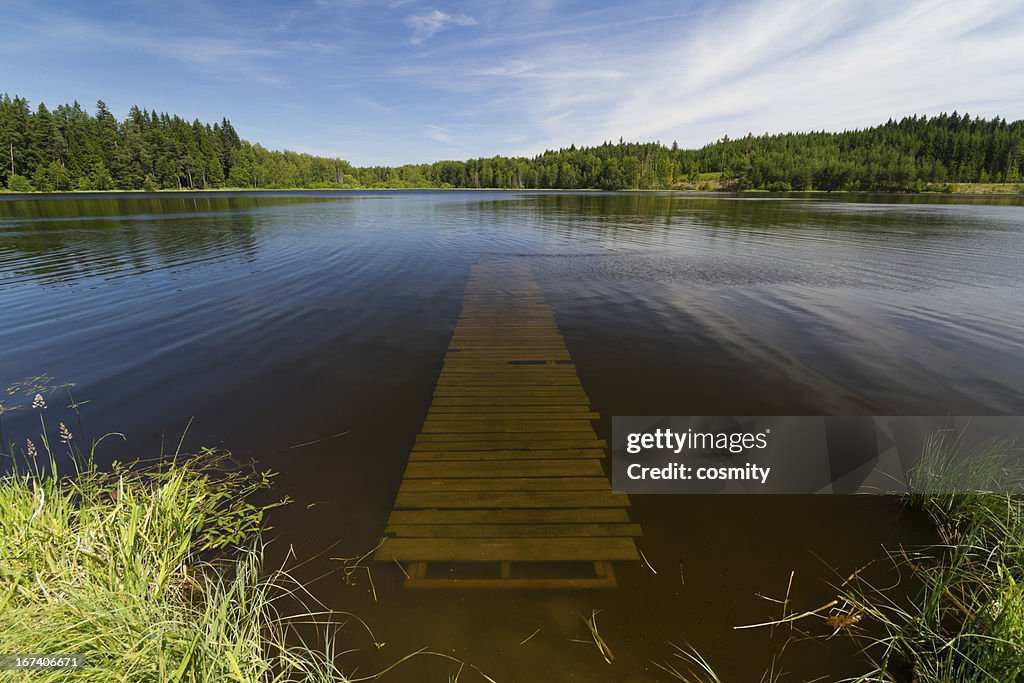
[507, 467]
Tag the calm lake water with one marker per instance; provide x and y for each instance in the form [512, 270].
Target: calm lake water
[280, 319]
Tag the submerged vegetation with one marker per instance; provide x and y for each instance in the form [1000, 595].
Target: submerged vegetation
[963, 619]
[70, 149]
[146, 572]
[966, 623]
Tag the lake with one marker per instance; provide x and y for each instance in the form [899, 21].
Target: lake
[274, 320]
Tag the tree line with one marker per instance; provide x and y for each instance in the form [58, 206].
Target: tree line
[70, 148]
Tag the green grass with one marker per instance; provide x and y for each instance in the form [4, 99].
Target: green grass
[149, 573]
[957, 613]
[965, 624]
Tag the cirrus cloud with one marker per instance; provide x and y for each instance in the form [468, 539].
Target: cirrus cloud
[425, 26]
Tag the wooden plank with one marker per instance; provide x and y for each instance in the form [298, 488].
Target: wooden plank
[507, 466]
[482, 334]
[501, 351]
[573, 583]
[555, 401]
[525, 307]
[509, 387]
[554, 392]
[577, 467]
[501, 322]
[573, 427]
[462, 364]
[521, 440]
[480, 361]
[509, 417]
[494, 330]
[474, 377]
[523, 454]
[506, 340]
[475, 383]
[511, 499]
[526, 411]
[513, 530]
[518, 372]
[571, 483]
[505, 344]
[508, 436]
[484, 348]
[526, 419]
[498, 443]
[511, 549]
[476, 359]
[468, 362]
[604, 577]
[456, 415]
[513, 516]
[525, 376]
[499, 356]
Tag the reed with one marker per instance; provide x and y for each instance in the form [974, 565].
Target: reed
[966, 621]
[149, 572]
[957, 613]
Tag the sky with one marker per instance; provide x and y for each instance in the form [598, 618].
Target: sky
[405, 81]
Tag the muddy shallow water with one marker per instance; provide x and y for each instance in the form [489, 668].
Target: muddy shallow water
[281, 319]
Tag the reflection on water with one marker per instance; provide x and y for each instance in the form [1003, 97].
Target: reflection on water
[278, 319]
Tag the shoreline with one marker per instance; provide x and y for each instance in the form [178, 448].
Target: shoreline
[974, 190]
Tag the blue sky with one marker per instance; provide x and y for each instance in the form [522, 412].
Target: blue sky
[410, 81]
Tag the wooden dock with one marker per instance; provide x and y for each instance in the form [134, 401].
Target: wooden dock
[504, 486]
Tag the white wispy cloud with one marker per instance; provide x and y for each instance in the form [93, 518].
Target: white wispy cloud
[225, 56]
[439, 134]
[425, 26]
[763, 66]
[530, 74]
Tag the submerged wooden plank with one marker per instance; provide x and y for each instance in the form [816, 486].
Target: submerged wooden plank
[507, 427]
[535, 468]
[473, 378]
[510, 549]
[523, 411]
[570, 483]
[511, 516]
[507, 466]
[583, 530]
[507, 381]
[495, 442]
[454, 415]
[506, 454]
[513, 338]
[509, 391]
[530, 417]
[517, 373]
[441, 401]
[520, 440]
[604, 577]
[511, 499]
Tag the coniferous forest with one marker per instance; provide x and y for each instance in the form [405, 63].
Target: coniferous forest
[69, 148]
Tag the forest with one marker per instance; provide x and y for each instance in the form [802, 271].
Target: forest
[72, 149]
